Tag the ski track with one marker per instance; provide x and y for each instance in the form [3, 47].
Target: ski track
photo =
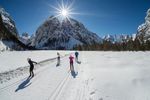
[42, 63]
[37, 73]
[75, 88]
[67, 85]
[57, 90]
[8, 75]
[94, 81]
[56, 93]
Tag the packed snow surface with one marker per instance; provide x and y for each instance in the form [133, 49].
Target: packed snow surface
[10, 60]
[98, 76]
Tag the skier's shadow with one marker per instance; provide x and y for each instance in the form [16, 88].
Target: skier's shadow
[79, 62]
[24, 84]
[74, 74]
[57, 65]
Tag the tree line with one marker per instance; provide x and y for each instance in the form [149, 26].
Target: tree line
[138, 44]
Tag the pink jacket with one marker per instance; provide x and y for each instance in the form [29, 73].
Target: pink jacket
[71, 59]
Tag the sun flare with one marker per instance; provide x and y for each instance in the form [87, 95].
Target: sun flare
[64, 10]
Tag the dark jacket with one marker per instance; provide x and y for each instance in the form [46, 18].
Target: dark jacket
[31, 63]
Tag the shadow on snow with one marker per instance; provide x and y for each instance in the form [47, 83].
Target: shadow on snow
[24, 84]
[74, 74]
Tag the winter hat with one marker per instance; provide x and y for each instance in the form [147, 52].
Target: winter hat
[28, 59]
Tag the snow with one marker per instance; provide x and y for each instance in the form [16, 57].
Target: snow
[119, 38]
[53, 34]
[10, 60]
[24, 39]
[133, 37]
[100, 76]
[2, 46]
[119, 75]
[73, 42]
[5, 45]
[144, 29]
[8, 21]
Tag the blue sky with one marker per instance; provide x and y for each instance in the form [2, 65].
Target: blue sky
[99, 16]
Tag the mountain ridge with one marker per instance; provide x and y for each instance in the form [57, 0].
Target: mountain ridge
[54, 34]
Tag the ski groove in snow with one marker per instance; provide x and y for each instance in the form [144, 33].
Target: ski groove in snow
[39, 74]
[18, 81]
[101, 76]
[59, 88]
[8, 86]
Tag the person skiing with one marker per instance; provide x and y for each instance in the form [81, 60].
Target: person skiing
[31, 67]
[71, 63]
[76, 54]
[58, 59]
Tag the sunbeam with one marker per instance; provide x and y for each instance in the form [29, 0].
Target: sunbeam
[64, 10]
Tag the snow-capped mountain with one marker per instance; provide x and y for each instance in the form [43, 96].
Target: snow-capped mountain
[65, 34]
[25, 38]
[144, 29]
[118, 38]
[8, 22]
[9, 38]
[108, 37]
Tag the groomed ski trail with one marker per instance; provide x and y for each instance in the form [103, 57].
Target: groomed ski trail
[50, 83]
[78, 88]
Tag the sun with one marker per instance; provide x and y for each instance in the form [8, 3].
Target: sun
[64, 10]
[64, 13]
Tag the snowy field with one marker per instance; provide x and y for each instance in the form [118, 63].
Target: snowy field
[100, 76]
[118, 75]
[16, 59]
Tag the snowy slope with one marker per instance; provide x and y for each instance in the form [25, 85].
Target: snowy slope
[6, 45]
[2, 46]
[8, 33]
[144, 29]
[100, 76]
[57, 34]
[8, 22]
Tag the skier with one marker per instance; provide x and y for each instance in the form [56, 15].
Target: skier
[31, 67]
[58, 59]
[76, 54]
[71, 63]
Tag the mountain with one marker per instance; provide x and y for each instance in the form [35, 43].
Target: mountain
[108, 37]
[8, 22]
[8, 33]
[118, 38]
[25, 38]
[144, 29]
[63, 34]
